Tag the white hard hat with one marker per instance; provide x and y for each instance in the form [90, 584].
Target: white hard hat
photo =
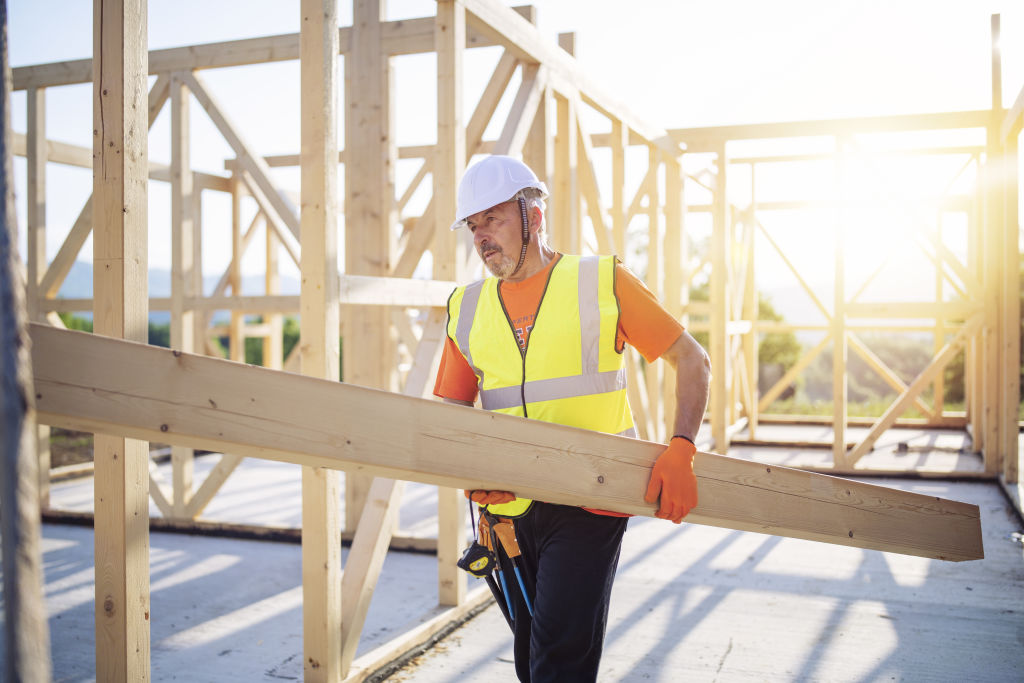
[491, 181]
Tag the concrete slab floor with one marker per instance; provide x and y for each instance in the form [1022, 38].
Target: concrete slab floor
[696, 603]
[690, 603]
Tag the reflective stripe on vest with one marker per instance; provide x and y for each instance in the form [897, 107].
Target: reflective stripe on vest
[570, 373]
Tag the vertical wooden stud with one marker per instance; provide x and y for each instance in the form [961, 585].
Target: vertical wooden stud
[751, 310]
[236, 335]
[120, 177]
[565, 200]
[655, 271]
[840, 346]
[182, 267]
[35, 258]
[321, 488]
[673, 274]
[273, 342]
[539, 150]
[718, 339]
[36, 154]
[370, 212]
[450, 256]
[201, 318]
[1011, 313]
[992, 268]
[619, 145]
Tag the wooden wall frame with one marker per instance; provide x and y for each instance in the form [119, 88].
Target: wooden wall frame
[548, 124]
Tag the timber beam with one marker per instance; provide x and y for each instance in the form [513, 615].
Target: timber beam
[106, 385]
[705, 139]
[403, 37]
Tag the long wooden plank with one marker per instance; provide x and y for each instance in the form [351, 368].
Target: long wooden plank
[89, 382]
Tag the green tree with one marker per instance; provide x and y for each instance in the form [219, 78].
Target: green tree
[776, 351]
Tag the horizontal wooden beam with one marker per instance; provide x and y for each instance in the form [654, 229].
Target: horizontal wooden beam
[81, 157]
[355, 290]
[93, 383]
[706, 139]
[409, 36]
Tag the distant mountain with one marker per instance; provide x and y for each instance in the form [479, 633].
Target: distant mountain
[78, 285]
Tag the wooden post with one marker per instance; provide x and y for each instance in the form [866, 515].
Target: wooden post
[539, 150]
[120, 177]
[371, 155]
[752, 310]
[1006, 232]
[619, 145]
[236, 334]
[564, 231]
[655, 254]
[202, 319]
[939, 336]
[26, 634]
[36, 192]
[673, 275]
[36, 153]
[1011, 313]
[321, 488]
[840, 347]
[750, 337]
[718, 339]
[182, 276]
[273, 342]
[450, 257]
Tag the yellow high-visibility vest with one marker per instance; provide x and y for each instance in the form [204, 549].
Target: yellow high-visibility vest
[570, 372]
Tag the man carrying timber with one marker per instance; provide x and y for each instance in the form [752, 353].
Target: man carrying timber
[543, 339]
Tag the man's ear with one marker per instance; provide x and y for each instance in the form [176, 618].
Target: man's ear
[536, 218]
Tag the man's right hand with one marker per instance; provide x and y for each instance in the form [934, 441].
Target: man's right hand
[490, 497]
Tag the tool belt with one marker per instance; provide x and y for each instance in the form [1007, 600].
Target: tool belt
[494, 536]
[481, 558]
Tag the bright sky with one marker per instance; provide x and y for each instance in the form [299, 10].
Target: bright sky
[674, 63]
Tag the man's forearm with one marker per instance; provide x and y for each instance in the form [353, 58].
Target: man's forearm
[693, 381]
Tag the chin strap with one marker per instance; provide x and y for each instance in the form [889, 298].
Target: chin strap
[526, 234]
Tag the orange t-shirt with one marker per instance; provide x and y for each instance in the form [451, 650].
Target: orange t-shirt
[643, 323]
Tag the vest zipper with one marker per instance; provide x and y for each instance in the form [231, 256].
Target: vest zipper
[512, 328]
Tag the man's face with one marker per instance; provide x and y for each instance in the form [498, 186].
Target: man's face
[498, 237]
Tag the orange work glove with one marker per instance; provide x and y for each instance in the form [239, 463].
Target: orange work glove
[672, 479]
[490, 497]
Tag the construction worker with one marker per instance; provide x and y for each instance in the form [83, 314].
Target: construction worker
[543, 339]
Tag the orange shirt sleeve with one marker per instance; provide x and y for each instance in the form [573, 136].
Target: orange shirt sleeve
[643, 322]
[455, 379]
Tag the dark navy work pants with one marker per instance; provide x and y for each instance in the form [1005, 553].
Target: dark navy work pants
[568, 565]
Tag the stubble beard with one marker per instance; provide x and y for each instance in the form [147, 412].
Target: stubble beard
[501, 266]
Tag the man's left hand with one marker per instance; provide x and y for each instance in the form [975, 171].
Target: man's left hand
[490, 497]
[674, 481]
